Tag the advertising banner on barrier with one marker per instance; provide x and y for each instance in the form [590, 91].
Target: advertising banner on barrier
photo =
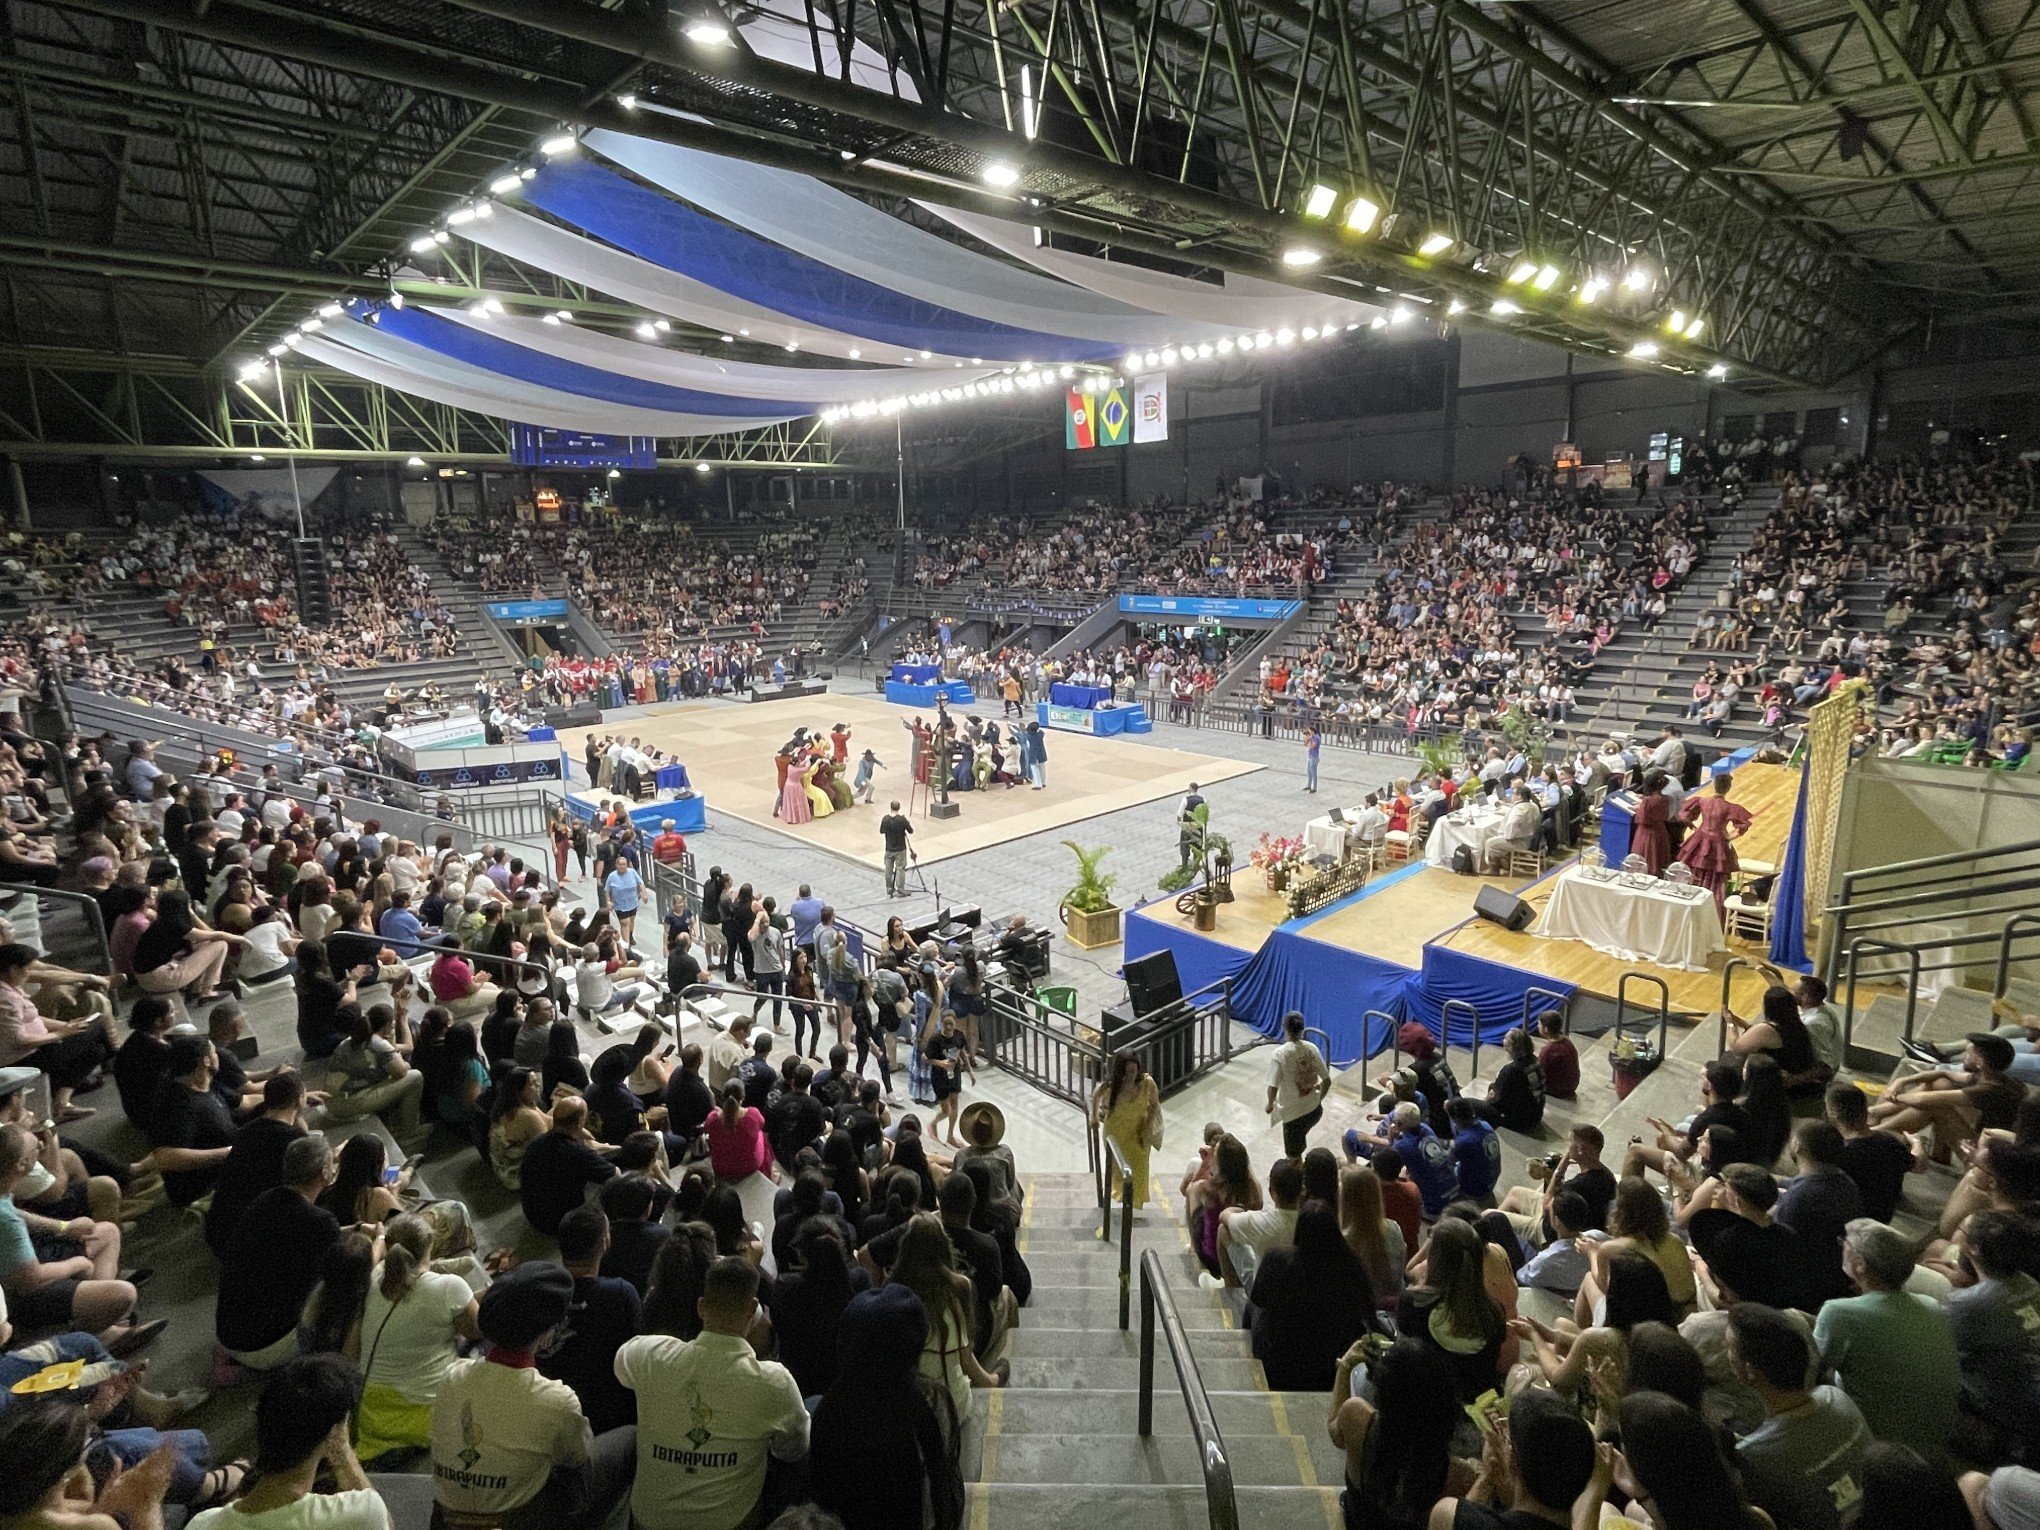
[460, 777]
[1076, 719]
[1225, 608]
[526, 613]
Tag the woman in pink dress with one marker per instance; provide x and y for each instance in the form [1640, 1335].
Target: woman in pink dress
[793, 798]
[1707, 852]
[1648, 834]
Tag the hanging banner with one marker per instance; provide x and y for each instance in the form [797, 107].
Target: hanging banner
[1115, 420]
[1080, 426]
[1151, 407]
[265, 492]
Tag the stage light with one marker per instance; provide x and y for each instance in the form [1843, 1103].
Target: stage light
[1592, 288]
[628, 101]
[492, 305]
[1456, 306]
[1693, 330]
[1204, 350]
[1224, 347]
[257, 457]
[646, 332]
[1637, 278]
[1644, 350]
[528, 173]
[1435, 244]
[564, 315]
[1264, 339]
[1362, 213]
[1719, 371]
[560, 143]
[708, 33]
[1284, 336]
[1298, 256]
[1169, 356]
[1319, 201]
[1153, 358]
[1310, 332]
[1522, 271]
[1677, 321]
[1068, 373]
[278, 350]
[1246, 342]
[330, 310]
[1000, 174]
[415, 462]
[311, 325]
[1503, 308]
[425, 244]
[1546, 278]
[553, 319]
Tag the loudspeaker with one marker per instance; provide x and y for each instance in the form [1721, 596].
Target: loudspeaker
[580, 715]
[315, 595]
[1504, 909]
[1152, 983]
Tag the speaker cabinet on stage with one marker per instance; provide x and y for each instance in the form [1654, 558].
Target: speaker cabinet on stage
[1503, 908]
[581, 714]
[315, 595]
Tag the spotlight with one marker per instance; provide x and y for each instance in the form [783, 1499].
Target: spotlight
[1644, 350]
[564, 315]
[1154, 358]
[1169, 356]
[1435, 244]
[1204, 350]
[503, 185]
[1592, 288]
[553, 319]
[1503, 308]
[1546, 278]
[1000, 174]
[661, 325]
[924, 355]
[708, 33]
[1298, 256]
[278, 350]
[729, 339]
[1677, 321]
[855, 353]
[1225, 348]
[628, 101]
[1310, 332]
[1246, 342]
[646, 332]
[701, 467]
[1400, 315]
[253, 369]
[560, 143]
[415, 462]
[1319, 201]
[1362, 213]
[312, 324]
[492, 305]
[330, 310]
[1637, 278]
[1264, 339]
[1521, 272]
[1693, 330]
[1379, 321]
[615, 473]
[1284, 336]
[396, 299]
[1719, 371]
[1455, 307]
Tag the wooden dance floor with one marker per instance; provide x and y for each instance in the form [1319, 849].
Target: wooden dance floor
[728, 752]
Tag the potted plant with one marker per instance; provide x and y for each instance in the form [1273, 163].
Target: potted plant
[1438, 757]
[1090, 917]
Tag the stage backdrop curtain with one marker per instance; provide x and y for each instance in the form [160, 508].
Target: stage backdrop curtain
[1495, 989]
[829, 226]
[1788, 896]
[618, 210]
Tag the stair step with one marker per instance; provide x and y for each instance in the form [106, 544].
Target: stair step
[1115, 1372]
[1098, 1307]
[996, 1505]
[1306, 1459]
[1048, 1340]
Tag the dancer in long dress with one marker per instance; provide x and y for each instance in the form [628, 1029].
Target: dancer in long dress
[819, 805]
[793, 800]
[1708, 851]
[782, 765]
[1648, 835]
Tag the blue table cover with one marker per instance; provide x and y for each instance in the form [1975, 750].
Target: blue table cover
[917, 674]
[1065, 695]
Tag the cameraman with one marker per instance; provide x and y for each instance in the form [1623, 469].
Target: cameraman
[895, 828]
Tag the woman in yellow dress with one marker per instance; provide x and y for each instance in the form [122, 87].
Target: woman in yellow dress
[1129, 1108]
[818, 798]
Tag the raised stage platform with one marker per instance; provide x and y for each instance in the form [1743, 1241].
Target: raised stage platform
[1409, 945]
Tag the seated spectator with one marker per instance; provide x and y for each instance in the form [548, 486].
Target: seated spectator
[371, 1074]
[601, 1318]
[1567, 1356]
[1244, 1235]
[1561, 1267]
[1312, 1301]
[1956, 1103]
[1893, 1352]
[559, 1166]
[303, 1434]
[1996, 1327]
[1453, 1312]
[1877, 1160]
[179, 952]
[1819, 1203]
[414, 1321]
[635, 1234]
[516, 1120]
[71, 1052]
[1398, 1440]
[737, 1143]
[1546, 1465]
[1476, 1153]
[273, 1258]
[1557, 1057]
[814, 1288]
[63, 1275]
[1804, 1464]
[1747, 1256]
[1428, 1159]
[142, 1064]
[189, 1125]
[454, 984]
[1515, 1100]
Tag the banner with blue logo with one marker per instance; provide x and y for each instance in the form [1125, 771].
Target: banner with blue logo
[526, 612]
[1209, 605]
[502, 773]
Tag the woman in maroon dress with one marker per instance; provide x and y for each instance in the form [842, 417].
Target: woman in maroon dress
[1707, 851]
[1648, 836]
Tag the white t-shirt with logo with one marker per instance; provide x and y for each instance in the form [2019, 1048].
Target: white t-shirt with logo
[709, 1413]
[498, 1431]
[1291, 1102]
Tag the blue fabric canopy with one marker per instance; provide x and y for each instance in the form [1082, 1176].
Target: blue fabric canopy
[478, 348]
[668, 233]
[1788, 897]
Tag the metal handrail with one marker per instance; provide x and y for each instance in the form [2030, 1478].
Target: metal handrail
[1728, 972]
[95, 916]
[2004, 966]
[1445, 1013]
[1394, 1034]
[1221, 1504]
[1664, 1004]
[1562, 1002]
[1912, 986]
[1125, 1218]
[1952, 858]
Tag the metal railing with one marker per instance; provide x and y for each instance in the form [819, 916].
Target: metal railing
[95, 918]
[1891, 898]
[1562, 1002]
[1664, 1007]
[1446, 1011]
[1221, 1502]
[1728, 972]
[2009, 934]
[1106, 1154]
[1042, 1046]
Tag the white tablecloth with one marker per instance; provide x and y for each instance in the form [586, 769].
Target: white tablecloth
[1639, 924]
[1461, 827]
[1323, 837]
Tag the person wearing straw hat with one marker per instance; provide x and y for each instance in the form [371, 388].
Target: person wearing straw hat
[983, 1126]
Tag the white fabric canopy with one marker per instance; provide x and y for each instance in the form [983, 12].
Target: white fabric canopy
[829, 226]
[653, 287]
[368, 353]
[1241, 303]
[709, 374]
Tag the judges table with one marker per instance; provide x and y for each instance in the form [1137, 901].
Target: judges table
[1323, 837]
[1470, 827]
[1638, 924]
[671, 778]
[1063, 694]
[917, 674]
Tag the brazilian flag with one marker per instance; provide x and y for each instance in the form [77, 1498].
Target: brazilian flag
[1115, 419]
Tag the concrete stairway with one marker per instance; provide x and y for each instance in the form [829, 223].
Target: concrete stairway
[482, 638]
[1060, 1444]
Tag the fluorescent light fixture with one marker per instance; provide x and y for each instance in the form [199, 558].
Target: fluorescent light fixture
[1298, 256]
[709, 32]
[564, 315]
[1719, 371]
[646, 332]
[553, 319]
[459, 216]
[628, 101]
[492, 305]
[1692, 331]
[1644, 350]
[1677, 321]
[330, 310]
[1456, 306]
[415, 462]
[424, 244]
[257, 457]
[278, 350]
[1362, 213]
[1546, 278]
[1435, 244]
[1592, 288]
[1522, 272]
[1637, 278]
[1503, 308]
[1319, 201]
[310, 325]
[1000, 174]
[558, 144]
[506, 183]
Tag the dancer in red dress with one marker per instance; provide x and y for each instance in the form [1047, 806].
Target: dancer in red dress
[1649, 837]
[1707, 852]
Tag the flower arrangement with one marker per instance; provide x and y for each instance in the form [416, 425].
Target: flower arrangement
[1276, 853]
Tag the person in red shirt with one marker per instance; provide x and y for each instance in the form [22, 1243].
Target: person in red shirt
[1558, 1057]
[668, 847]
[1401, 1202]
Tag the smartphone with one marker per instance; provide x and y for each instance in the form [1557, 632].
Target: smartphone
[669, 1049]
[391, 1175]
[40, 1109]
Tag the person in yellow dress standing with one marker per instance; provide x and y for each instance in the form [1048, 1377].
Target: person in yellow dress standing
[1128, 1107]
